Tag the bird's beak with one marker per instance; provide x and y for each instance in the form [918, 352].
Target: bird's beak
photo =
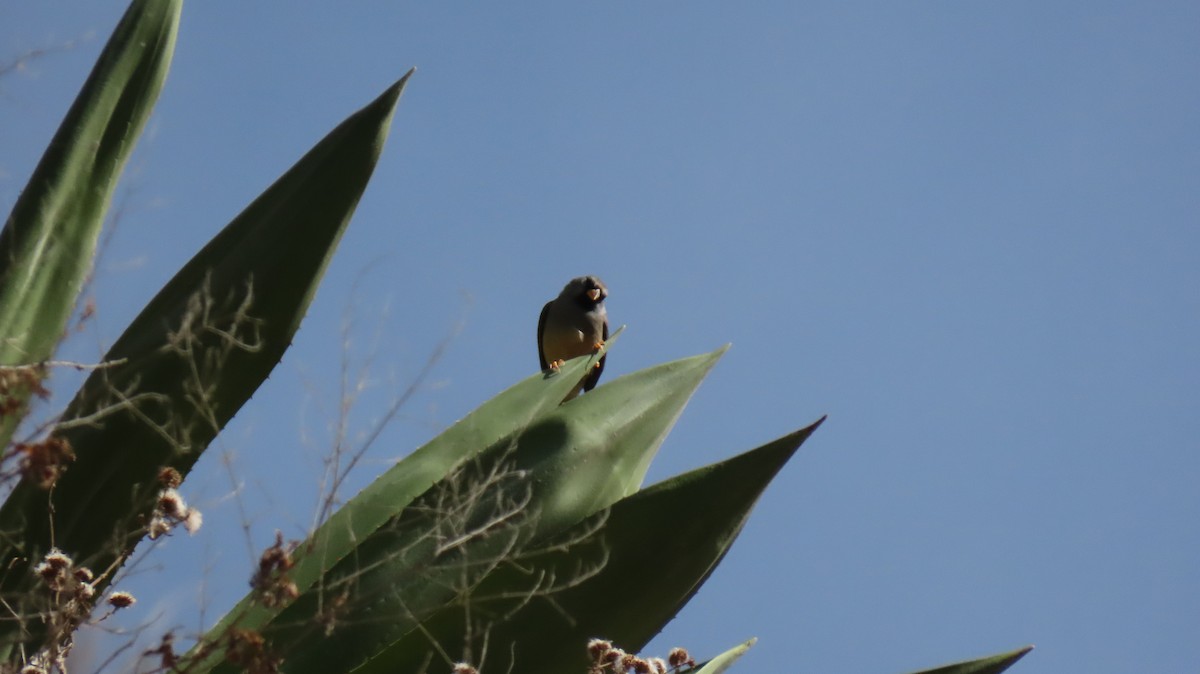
[594, 294]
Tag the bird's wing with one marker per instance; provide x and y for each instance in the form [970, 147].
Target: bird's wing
[541, 329]
[594, 377]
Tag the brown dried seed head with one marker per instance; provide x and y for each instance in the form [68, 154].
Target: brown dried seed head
[171, 504]
[169, 477]
[57, 559]
[598, 647]
[120, 599]
[679, 657]
[42, 463]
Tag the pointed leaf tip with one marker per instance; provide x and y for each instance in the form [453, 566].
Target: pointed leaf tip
[988, 665]
[403, 81]
[725, 660]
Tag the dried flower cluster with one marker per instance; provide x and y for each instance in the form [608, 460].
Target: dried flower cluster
[18, 380]
[60, 575]
[608, 659]
[42, 463]
[72, 595]
[170, 509]
[271, 580]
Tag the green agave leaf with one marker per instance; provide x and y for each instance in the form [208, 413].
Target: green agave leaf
[990, 665]
[508, 413]
[725, 660]
[503, 416]
[621, 576]
[565, 466]
[49, 239]
[195, 354]
[609, 437]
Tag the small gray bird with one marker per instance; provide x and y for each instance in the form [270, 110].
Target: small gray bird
[574, 324]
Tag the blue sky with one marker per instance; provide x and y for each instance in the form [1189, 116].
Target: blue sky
[968, 232]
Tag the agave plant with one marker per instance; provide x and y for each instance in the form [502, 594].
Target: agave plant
[506, 543]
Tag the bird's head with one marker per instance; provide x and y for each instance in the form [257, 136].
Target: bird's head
[588, 291]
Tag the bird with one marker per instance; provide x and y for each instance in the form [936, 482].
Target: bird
[574, 324]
